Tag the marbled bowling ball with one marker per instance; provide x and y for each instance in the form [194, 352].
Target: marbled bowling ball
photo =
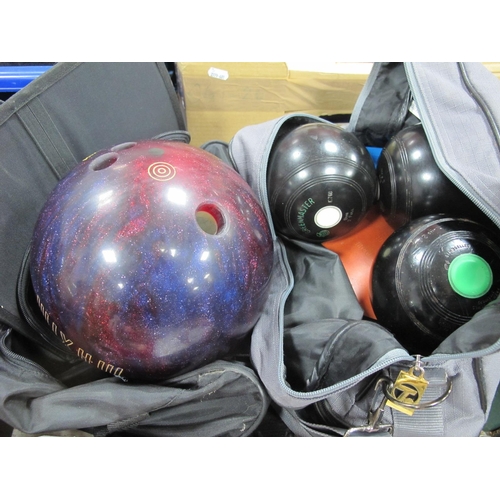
[150, 259]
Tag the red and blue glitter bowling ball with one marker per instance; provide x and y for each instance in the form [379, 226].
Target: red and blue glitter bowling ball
[150, 259]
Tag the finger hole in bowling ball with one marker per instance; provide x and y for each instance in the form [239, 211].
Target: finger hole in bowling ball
[103, 161]
[210, 219]
[125, 145]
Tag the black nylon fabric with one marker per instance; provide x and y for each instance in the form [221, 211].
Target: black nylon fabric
[219, 149]
[383, 111]
[220, 399]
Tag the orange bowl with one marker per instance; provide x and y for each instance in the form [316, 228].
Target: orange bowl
[358, 250]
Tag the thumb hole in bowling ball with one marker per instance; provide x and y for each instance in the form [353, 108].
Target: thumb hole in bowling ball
[210, 219]
[103, 161]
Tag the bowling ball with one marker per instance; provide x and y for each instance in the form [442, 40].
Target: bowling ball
[431, 276]
[150, 259]
[412, 185]
[321, 182]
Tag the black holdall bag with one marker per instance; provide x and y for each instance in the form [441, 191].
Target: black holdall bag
[47, 128]
[330, 371]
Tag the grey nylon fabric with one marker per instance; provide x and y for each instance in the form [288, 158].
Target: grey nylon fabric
[382, 108]
[465, 142]
[463, 413]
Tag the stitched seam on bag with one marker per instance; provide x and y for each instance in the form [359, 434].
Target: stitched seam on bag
[127, 423]
[34, 89]
[477, 369]
[44, 133]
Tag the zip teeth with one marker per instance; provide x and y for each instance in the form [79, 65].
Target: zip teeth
[17, 357]
[414, 86]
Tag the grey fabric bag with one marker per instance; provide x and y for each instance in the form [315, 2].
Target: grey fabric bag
[328, 370]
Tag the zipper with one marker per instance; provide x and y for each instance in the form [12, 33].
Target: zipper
[425, 117]
[17, 359]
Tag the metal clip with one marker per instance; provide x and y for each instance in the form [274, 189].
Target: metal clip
[375, 415]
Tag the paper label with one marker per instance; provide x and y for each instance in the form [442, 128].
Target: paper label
[220, 74]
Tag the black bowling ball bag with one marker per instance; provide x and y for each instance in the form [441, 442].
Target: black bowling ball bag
[66, 114]
[328, 369]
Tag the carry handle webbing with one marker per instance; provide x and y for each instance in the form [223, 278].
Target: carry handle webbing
[39, 125]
